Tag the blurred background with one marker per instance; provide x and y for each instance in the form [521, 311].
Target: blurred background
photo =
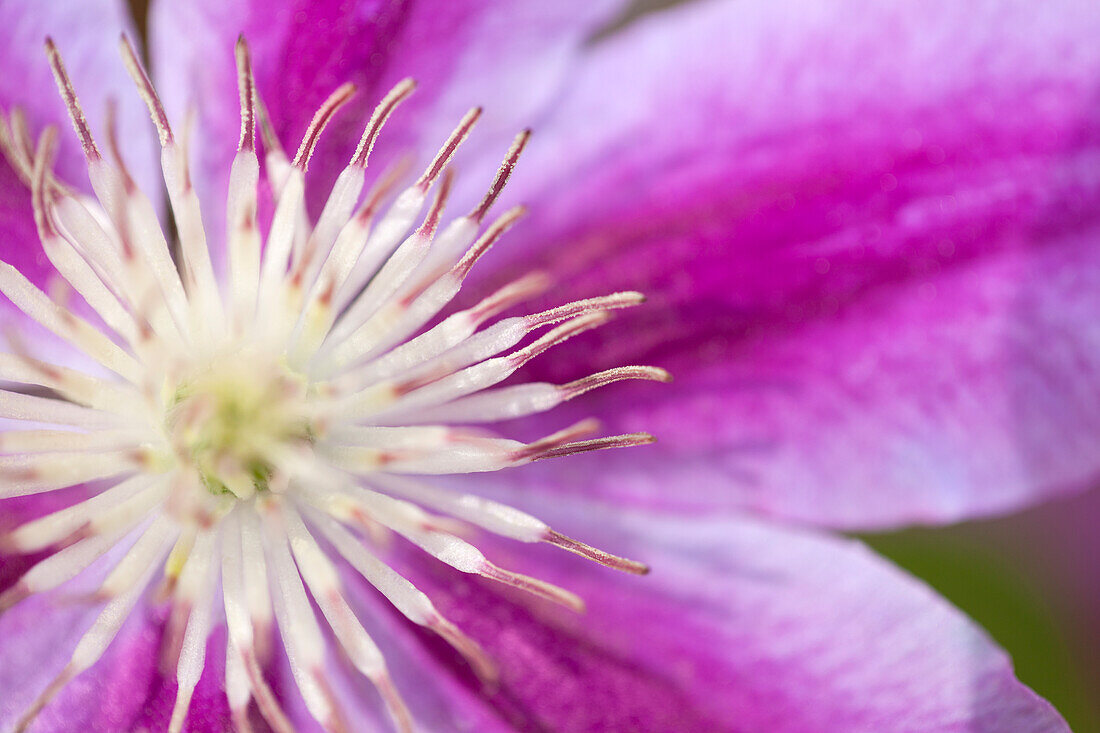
[1031, 579]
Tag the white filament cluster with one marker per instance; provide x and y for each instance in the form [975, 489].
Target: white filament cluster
[256, 424]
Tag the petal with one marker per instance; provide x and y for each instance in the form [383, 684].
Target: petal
[740, 626]
[869, 232]
[127, 689]
[509, 57]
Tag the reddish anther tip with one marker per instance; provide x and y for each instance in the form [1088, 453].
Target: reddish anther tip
[488, 239]
[145, 89]
[534, 586]
[246, 85]
[534, 451]
[43, 159]
[435, 213]
[68, 96]
[447, 152]
[588, 305]
[320, 120]
[603, 558]
[559, 335]
[502, 176]
[617, 374]
[378, 118]
[587, 446]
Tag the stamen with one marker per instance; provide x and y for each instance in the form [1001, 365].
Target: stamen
[236, 688]
[537, 587]
[320, 120]
[603, 558]
[16, 406]
[68, 262]
[590, 305]
[116, 508]
[246, 85]
[13, 152]
[243, 234]
[320, 575]
[431, 221]
[448, 150]
[145, 88]
[267, 129]
[348, 185]
[561, 334]
[503, 174]
[96, 640]
[115, 151]
[412, 603]
[234, 445]
[68, 95]
[487, 240]
[297, 624]
[193, 653]
[382, 112]
[586, 446]
[578, 387]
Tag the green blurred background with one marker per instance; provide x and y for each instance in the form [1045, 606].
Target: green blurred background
[1031, 579]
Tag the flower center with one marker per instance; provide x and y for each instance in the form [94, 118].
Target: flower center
[312, 394]
[231, 420]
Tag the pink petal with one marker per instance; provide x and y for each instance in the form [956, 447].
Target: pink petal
[126, 690]
[869, 232]
[740, 626]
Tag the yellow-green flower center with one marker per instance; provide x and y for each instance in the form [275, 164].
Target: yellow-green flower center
[233, 420]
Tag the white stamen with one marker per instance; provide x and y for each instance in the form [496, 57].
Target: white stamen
[197, 586]
[250, 425]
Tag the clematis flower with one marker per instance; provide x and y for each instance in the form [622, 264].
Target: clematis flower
[233, 455]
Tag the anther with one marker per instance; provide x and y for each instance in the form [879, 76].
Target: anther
[586, 446]
[382, 112]
[68, 95]
[534, 586]
[320, 120]
[614, 301]
[560, 335]
[146, 90]
[578, 387]
[487, 240]
[43, 158]
[603, 558]
[435, 213]
[448, 150]
[502, 176]
[246, 89]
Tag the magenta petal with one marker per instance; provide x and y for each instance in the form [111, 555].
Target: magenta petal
[124, 691]
[870, 236]
[740, 626]
[127, 689]
[509, 57]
